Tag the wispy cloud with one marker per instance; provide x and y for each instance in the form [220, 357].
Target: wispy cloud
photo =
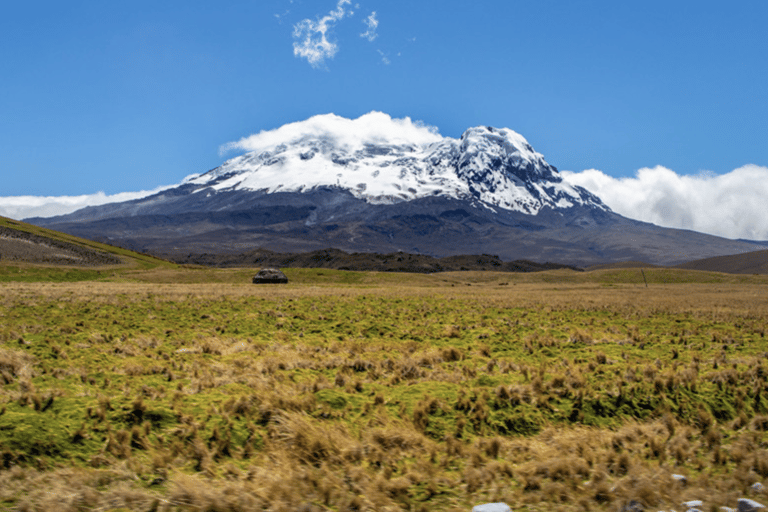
[311, 37]
[731, 205]
[384, 57]
[372, 23]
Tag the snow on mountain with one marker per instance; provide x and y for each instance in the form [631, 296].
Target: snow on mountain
[385, 161]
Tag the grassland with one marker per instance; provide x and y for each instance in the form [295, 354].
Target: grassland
[171, 388]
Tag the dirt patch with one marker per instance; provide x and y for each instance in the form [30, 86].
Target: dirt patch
[18, 245]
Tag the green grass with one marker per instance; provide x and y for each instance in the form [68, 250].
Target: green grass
[10, 273]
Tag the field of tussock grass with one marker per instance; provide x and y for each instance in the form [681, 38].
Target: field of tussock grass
[184, 389]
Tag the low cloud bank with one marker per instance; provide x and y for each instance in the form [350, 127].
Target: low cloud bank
[23, 207]
[731, 205]
[374, 127]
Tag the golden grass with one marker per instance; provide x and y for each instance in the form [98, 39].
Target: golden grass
[385, 393]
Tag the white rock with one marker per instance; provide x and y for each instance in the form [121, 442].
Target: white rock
[492, 507]
[758, 487]
[693, 504]
[747, 505]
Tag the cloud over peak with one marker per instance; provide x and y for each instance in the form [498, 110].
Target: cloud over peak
[374, 127]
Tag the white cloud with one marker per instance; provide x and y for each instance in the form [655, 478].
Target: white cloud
[731, 205]
[372, 23]
[22, 207]
[311, 37]
[384, 57]
[352, 133]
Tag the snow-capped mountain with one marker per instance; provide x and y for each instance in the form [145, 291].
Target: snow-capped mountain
[495, 167]
[377, 184]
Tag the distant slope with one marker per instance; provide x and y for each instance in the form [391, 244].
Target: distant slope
[183, 221]
[22, 242]
[756, 242]
[747, 263]
[622, 265]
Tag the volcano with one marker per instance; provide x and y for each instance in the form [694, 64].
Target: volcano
[377, 184]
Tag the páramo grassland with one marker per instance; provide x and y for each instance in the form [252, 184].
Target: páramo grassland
[190, 389]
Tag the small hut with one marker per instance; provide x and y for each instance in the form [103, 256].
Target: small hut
[270, 276]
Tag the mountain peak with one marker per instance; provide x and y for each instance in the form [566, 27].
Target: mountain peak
[385, 161]
[505, 151]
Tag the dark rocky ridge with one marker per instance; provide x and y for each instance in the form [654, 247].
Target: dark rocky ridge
[340, 260]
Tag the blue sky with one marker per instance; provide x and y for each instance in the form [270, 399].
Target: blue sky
[128, 96]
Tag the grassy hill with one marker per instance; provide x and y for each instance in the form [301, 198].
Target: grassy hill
[32, 253]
